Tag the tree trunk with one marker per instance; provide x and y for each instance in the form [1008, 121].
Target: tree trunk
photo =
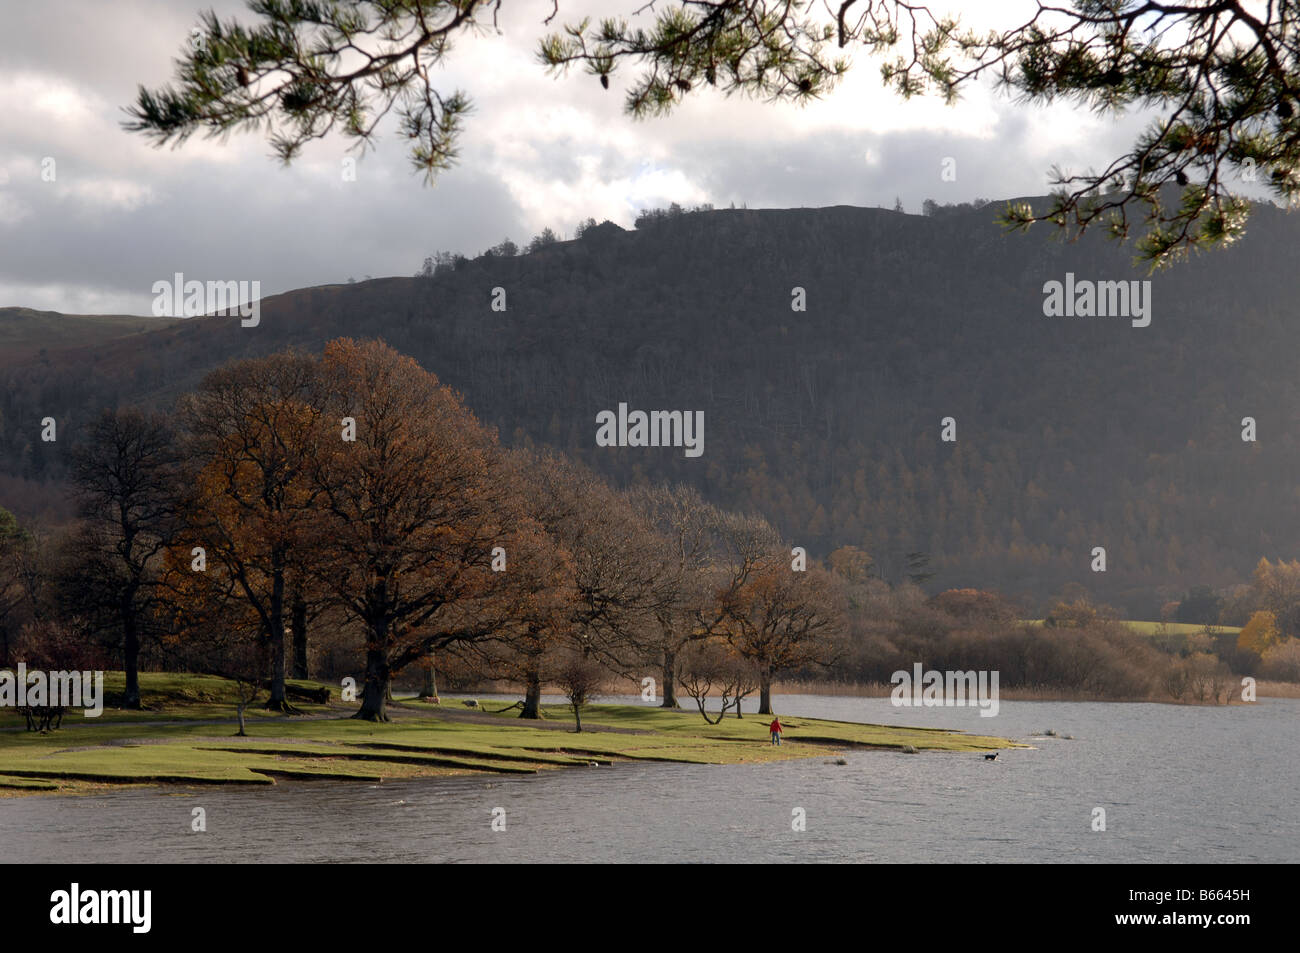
[298, 625]
[577, 717]
[430, 679]
[670, 680]
[533, 696]
[240, 733]
[374, 698]
[275, 645]
[278, 700]
[765, 693]
[131, 656]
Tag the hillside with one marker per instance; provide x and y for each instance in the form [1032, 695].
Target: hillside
[24, 332]
[1071, 432]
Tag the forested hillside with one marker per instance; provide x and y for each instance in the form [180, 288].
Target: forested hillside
[1072, 432]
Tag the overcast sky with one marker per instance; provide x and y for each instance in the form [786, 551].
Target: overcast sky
[537, 151]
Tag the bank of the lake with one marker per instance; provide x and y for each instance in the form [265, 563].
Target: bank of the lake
[1178, 783]
[186, 736]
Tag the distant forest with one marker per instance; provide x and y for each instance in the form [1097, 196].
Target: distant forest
[1071, 433]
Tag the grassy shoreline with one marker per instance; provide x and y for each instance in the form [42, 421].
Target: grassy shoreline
[187, 738]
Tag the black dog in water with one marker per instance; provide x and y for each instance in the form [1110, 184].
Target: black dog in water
[991, 757]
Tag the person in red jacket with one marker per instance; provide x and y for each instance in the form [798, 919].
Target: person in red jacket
[776, 729]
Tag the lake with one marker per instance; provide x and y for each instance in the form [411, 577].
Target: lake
[1178, 784]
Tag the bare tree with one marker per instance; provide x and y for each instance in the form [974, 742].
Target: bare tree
[687, 529]
[242, 661]
[604, 581]
[710, 667]
[581, 678]
[125, 476]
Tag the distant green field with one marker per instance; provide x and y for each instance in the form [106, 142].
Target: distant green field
[1166, 628]
[1178, 628]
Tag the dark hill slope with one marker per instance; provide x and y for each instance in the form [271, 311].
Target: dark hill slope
[1072, 432]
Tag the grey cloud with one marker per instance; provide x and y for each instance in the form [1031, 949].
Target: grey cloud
[240, 215]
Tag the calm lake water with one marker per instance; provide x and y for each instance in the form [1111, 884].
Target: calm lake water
[1178, 784]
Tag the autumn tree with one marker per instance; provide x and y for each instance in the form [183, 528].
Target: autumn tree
[125, 476]
[779, 618]
[1259, 634]
[530, 612]
[975, 605]
[1076, 614]
[745, 543]
[622, 577]
[252, 429]
[1282, 661]
[206, 624]
[687, 530]
[410, 509]
[1276, 588]
[515, 619]
[542, 578]
[596, 585]
[852, 563]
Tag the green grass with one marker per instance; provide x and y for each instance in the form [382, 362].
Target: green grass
[27, 784]
[173, 743]
[1178, 628]
[1165, 628]
[184, 697]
